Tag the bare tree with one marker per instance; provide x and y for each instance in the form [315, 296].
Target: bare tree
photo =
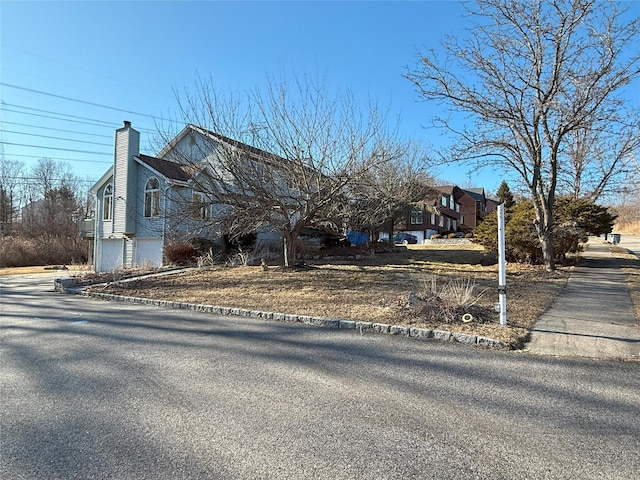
[10, 183]
[284, 157]
[533, 74]
[383, 196]
[53, 211]
[599, 163]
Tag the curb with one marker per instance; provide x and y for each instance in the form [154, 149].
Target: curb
[362, 327]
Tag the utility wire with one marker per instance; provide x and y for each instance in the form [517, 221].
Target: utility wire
[93, 104]
[89, 121]
[58, 158]
[55, 129]
[87, 180]
[59, 138]
[53, 148]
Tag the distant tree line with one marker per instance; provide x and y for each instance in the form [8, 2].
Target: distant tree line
[40, 213]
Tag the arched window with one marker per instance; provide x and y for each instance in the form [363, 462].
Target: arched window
[152, 198]
[107, 202]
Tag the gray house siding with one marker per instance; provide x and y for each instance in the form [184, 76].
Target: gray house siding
[127, 144]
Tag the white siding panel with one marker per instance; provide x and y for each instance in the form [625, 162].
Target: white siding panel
[110, 253]
[148, 252]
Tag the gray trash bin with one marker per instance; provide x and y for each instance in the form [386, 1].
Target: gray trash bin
[615, 238]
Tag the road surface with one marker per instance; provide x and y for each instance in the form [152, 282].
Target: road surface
[93, 389]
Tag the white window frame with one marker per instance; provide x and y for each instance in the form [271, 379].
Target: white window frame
[152, 198]
[107, 203]
[416, 216]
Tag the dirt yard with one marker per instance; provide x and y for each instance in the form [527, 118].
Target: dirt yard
[374, 288]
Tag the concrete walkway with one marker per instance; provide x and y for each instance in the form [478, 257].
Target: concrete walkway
[593, 315]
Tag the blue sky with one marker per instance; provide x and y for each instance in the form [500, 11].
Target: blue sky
[131, 56]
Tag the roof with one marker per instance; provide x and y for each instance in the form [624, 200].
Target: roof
[168, 169]
[446, 189]
[475, 193]
[254, 152]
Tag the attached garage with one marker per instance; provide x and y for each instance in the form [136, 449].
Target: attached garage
[110, 254]
[148, 252]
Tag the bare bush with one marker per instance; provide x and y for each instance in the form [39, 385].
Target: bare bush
[450, 300]
[180, 252]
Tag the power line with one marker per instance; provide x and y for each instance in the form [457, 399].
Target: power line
[93, 104]
[55, 129]
[80, 180]
[89, 121]
[59, 138]
[53, 148]
[58, 158]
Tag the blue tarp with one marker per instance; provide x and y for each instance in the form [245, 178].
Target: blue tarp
[357, 238]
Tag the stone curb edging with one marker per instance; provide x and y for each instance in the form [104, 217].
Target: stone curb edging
[362, 327]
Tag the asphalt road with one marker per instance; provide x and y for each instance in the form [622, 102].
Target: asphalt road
[100, 390]
[630, 242]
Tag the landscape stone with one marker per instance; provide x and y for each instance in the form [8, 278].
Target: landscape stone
[464, 337]
[442, 335]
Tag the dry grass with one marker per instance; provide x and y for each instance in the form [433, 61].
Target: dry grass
[628, 227]
[42, 269]
[630, 265]
[375, 289]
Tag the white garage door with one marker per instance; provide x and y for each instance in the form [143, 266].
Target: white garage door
[110, 255]
[148, 252]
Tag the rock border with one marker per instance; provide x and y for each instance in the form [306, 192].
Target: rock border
[64, 286]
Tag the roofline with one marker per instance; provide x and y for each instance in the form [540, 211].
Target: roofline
[101, 181]
[155, 172]
[176, 140]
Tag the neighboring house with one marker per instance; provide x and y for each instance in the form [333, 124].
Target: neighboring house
[473, 208]
[438, 213]
[143, 202]
[447, 209]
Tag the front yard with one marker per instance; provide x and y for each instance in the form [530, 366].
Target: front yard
[375, 288]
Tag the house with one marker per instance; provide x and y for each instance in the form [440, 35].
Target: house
[143, 202]
[439, 212]
[447, 209]
[473, 208]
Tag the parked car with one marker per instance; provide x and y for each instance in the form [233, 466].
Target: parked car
[405, 238]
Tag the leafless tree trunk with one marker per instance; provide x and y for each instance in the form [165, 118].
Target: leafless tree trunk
[10, 192]
[284, 157]
[533, 75]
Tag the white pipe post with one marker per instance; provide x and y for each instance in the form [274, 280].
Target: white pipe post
[502, 268]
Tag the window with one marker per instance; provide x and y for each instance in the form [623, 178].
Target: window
[458, 207]
[416, 216]
[444, 201]
[152, 198]
[201, 209]
[454, 225]
[452, 202]
[462, 219]
[433, 219]
[441, 223]
[107, 202]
